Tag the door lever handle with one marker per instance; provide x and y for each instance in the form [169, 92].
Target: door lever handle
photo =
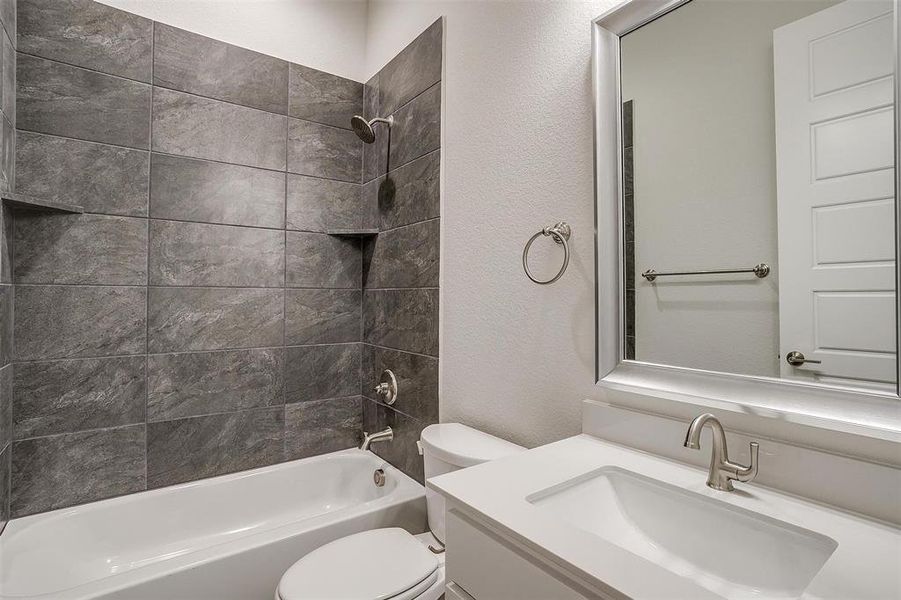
[796, 359]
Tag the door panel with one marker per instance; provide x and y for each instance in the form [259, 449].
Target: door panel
[835, 193]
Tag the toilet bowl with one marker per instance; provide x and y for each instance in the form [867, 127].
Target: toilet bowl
[391, 563]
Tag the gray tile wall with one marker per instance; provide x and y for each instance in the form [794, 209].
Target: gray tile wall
[7, 182]
[401, 197]
[196, 320]
[629, 230]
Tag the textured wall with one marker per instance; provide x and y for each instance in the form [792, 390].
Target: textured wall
[401, 264]
[195, 320]
[326, 34]
[516, 358]
[7, 182]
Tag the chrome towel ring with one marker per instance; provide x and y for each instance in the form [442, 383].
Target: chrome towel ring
[561, 233]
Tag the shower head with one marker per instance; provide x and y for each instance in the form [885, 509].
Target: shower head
[363, 128]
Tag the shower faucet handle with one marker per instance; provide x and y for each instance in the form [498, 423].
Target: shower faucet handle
[387, 387]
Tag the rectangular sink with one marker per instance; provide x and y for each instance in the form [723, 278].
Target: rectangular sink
[731, 551]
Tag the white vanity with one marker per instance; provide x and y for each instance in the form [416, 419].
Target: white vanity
[588, 518]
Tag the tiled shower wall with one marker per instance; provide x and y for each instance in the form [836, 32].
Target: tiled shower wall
[629, 229]
[7, 181]
[197, 319]
[401, 264]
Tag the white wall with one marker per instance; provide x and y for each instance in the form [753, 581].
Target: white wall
[705, 182]
[516, 358]
[329, 35]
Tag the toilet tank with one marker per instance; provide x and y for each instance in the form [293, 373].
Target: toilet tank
[449, 447]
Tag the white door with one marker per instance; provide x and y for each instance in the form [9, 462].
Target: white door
[836, 205]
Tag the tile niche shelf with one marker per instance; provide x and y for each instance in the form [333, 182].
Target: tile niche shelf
[352, 232]
[23, 202]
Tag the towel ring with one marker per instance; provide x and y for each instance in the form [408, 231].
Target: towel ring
[561, 233]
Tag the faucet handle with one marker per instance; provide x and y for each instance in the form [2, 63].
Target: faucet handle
[750, 472]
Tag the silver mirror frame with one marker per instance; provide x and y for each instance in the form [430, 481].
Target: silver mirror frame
[667, 389]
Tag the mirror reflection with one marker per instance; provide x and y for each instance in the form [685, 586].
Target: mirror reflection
[758, 139]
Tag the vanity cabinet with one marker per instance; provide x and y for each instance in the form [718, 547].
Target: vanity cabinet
[484, 565]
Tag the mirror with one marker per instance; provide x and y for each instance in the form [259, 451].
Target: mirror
[758, 138]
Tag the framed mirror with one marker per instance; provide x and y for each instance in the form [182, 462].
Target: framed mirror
[746, 203]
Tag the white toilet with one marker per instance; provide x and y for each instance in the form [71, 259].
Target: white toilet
[390, 563]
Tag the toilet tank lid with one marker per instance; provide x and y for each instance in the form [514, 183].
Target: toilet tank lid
[464, 446]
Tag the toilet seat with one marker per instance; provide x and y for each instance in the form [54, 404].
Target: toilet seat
[379, 564]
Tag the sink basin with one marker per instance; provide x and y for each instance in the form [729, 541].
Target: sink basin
[736, 553]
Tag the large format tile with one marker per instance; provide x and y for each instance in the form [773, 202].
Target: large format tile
[417, 380]
[8, 87]
[416, 68]
[185, 385]
[87, 34]
[322, 316]
[184, 319]
[8, 17]
[7, 305]
[101, 178]
[74, 395]
[73, 321]
[407, 195]
[6, 406]
[402, 451]
[402, 319]
[316, 204]
[322, 426]
[403, 257]
[215, 255]
[7, 155]
[316, 260]
[5, 459]
[63, 470]
[375, 154]
[322, 97]
[200, 65]
[80, 248]
[323, 151]
[6, 244]
[73, 102]
[417, 128]
[320, 372]
[187, 189]
[202, 128]
[198, 447]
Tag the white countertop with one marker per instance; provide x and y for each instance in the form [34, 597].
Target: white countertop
[865, 565]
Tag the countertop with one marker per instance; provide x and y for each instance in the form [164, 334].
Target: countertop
[865, 565]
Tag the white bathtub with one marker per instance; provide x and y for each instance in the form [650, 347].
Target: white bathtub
[225, 538]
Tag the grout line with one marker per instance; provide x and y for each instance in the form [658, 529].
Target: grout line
[399, 289]
[380, 347]
[397, 410]
[36, 361]
[91, 430]
[147, 292]
[164, 86]
[403, 166]
[186, 157]
[405, 225]
[181, 287]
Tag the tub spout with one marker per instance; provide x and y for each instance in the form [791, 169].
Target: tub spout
[385, 435]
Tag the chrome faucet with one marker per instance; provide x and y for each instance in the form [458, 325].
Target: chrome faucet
[386, 435]
[722, 472]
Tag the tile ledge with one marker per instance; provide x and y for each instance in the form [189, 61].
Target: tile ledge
[23, 202]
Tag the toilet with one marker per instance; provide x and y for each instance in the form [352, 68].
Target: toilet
[391, 563]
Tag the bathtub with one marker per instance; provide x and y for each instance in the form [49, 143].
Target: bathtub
[224, 538]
